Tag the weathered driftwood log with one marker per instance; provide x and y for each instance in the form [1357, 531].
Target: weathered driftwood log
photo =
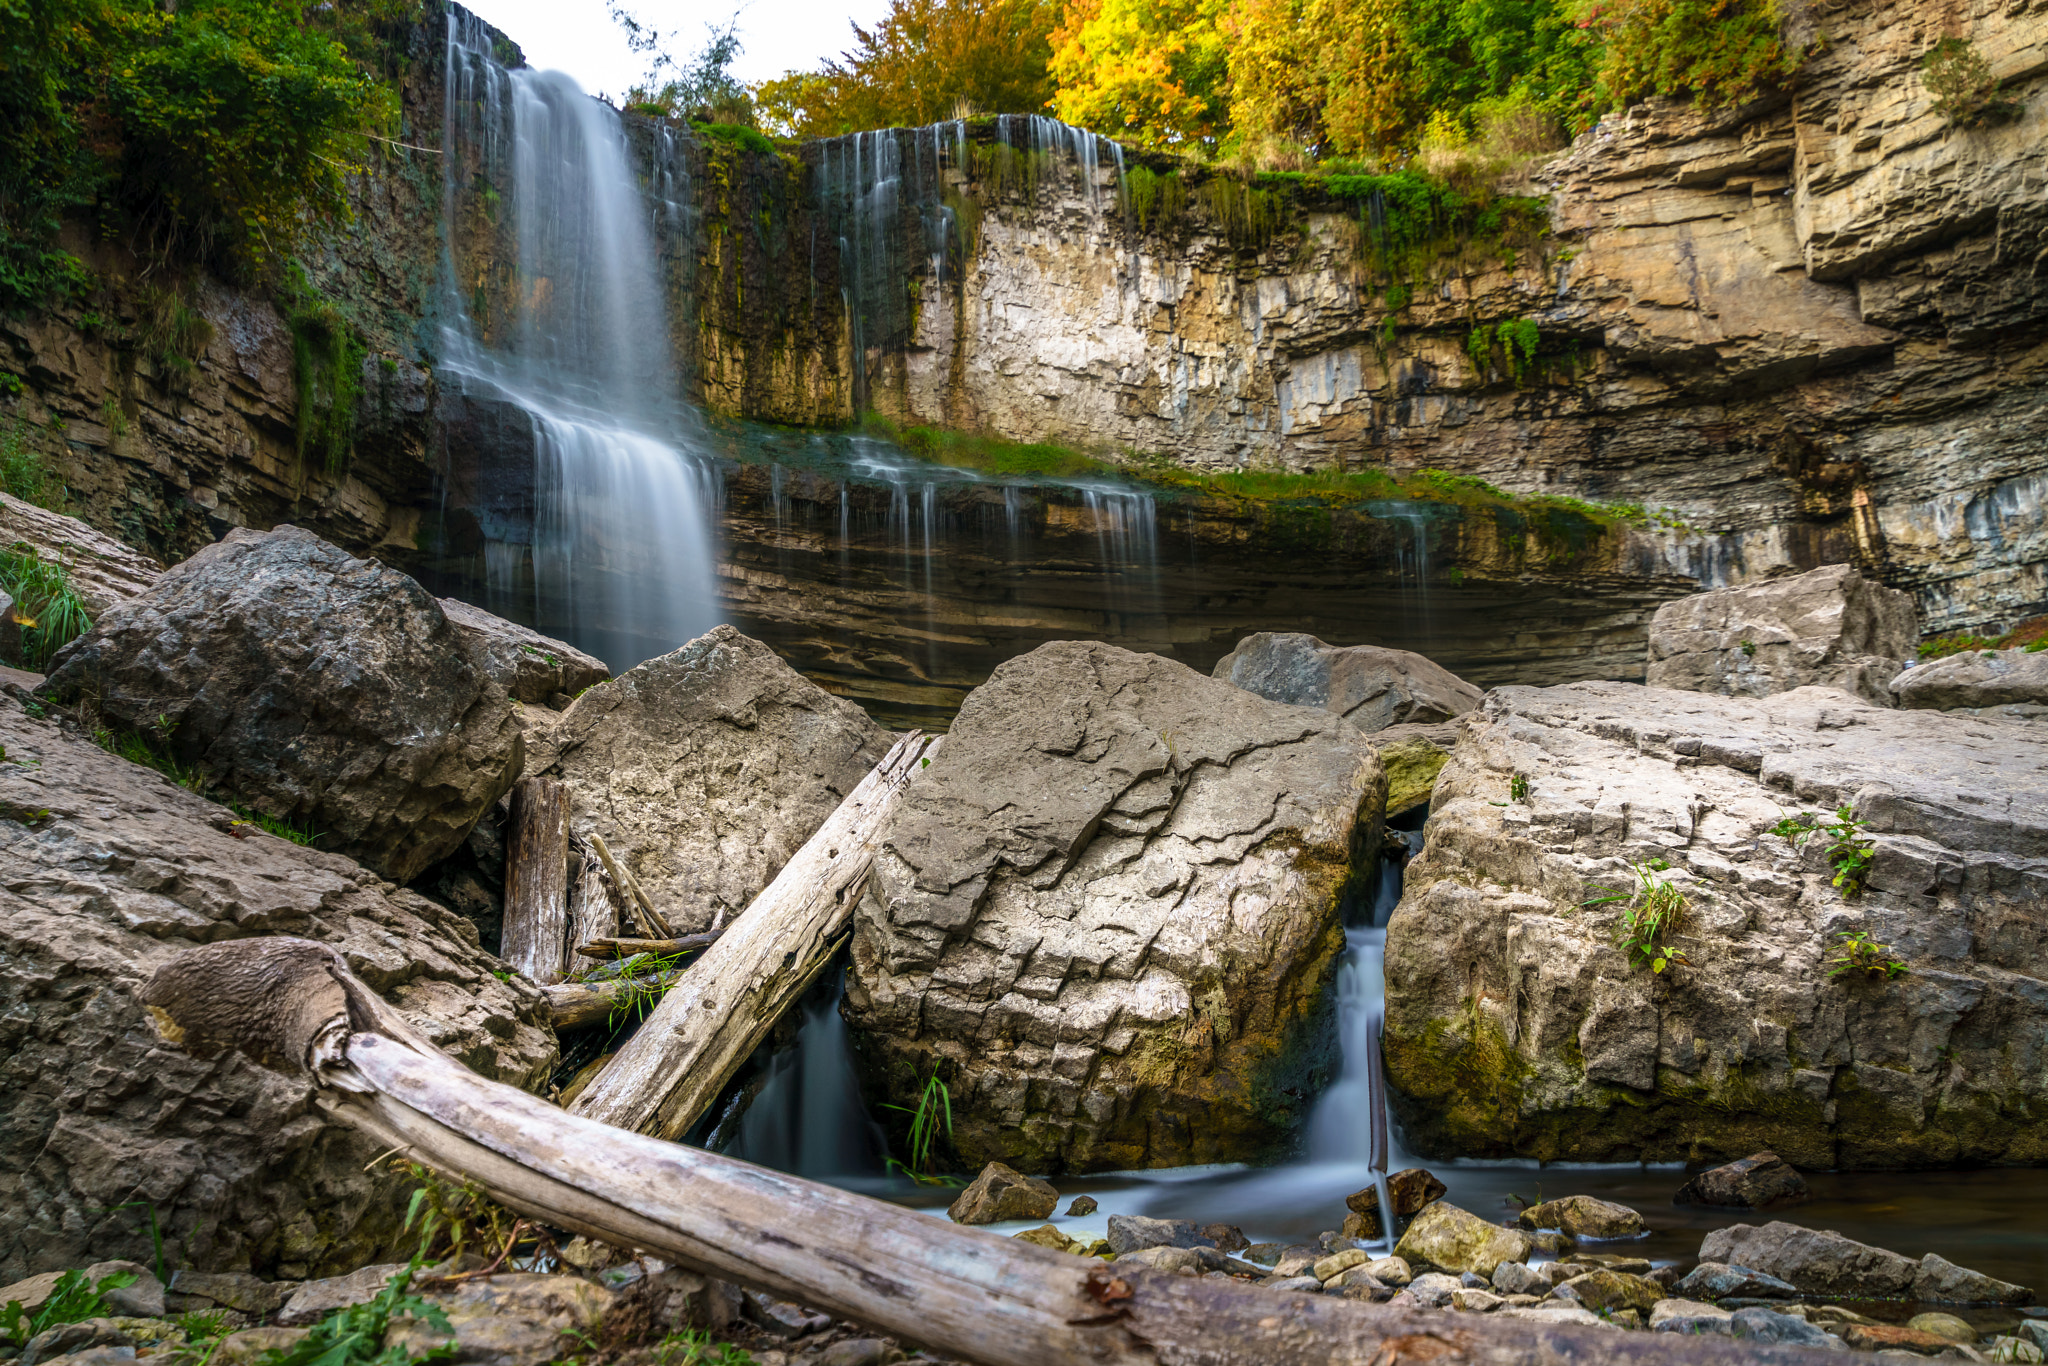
[293, 1005]
[651, 920]
[578, 1005]
[675, 1064]
[660, 948]
[593, 914]
[536, 934]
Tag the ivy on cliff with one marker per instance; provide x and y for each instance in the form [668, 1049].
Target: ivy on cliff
[212, 131]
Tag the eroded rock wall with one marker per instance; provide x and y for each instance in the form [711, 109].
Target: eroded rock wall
[1518, 1025]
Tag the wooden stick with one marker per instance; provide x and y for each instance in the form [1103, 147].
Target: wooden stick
[536, 935]
[294, 1005]
[593, 914]
[578, 1005]
[629, 886]
[671, 1070]
[660, 948]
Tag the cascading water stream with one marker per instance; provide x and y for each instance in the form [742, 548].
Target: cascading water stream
[621, 543]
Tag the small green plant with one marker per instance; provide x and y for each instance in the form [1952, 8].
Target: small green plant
[355, 1336]
[641, 989]
[275, 825]
[455, 1215]
[932, 1113]
[1518, 788]
[1653, 911]
[71, 1300]
[47, 613]
[1849, 851]
[695, 1347]
[1941, 647]
[1856, 951]
[1964, 90]
[23, 473]
[1748, 648]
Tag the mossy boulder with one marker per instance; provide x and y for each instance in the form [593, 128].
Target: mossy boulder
[1457, 1240]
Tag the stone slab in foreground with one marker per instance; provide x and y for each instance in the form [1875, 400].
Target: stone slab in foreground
[1515, 1024]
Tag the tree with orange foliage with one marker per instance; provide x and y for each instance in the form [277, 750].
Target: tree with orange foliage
[1151, 72]
[927, 60]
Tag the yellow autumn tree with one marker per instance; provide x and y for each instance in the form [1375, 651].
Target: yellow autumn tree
[1151, 72]
[926, 60]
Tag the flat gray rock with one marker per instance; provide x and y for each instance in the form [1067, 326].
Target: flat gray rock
[526, 664]
[1816, 1262]
[1370, 686]
[315, 1300]
[2014, 682]
[1506, 937]
[1113, 860]
[1829, 627]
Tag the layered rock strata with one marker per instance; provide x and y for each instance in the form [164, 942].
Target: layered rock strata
[1517, 1024]
[1108, 915]
[314, 686]
[110, 870]
[1829, 626]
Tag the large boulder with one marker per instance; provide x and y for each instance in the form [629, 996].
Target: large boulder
[1108, 915]
[1751, 1183]
[1516, 1025]
[1459, 1241]
[318, 688]
[526, 664]
[1368, 685]
[2013, 682]
[704, 770]
[1829, 627]
[1824, 1263]
[109, 871]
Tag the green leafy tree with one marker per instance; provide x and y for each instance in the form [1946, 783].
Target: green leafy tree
[1152, 72]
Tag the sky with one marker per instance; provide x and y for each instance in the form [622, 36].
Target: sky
[579, 37]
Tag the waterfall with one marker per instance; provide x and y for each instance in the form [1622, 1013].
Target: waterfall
[620, 548]
[807, 1118]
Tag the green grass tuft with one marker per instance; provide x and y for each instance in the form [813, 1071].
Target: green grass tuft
[47, 614]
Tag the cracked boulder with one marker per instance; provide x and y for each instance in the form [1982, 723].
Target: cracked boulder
[1829, 627]
[1518, 1026]
[1108, 916]
[320, 689]
[704, 770]
[108, 871]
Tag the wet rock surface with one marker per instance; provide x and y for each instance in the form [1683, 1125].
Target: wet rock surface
[1829, 627]
[1443, 1235]
[1517, 1025]
[1108, 914]
[1751, 1183]
[1370, 686]
[1582, 1216]
[704, 770]
[1001, 1193]
[1822, 1263]
[316, 687]
[123, 872]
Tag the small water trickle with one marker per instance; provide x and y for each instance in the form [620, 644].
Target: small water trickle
[807, 1118]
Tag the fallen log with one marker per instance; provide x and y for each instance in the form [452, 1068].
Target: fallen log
[593, 914]
[660, 948]
[536, 932]
[674, 1066]
[292, 1004]
[578, 1005]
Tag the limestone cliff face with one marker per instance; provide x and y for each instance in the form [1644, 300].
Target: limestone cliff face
[1812, 325]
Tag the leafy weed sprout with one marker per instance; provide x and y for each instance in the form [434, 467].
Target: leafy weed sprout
[72, 1300]
[1856, 951]
[1518, 788]
[695, 1347]
[1849, 851]
[933, 1111]
[355, 1336]
[1653, 911]
[48, 613]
